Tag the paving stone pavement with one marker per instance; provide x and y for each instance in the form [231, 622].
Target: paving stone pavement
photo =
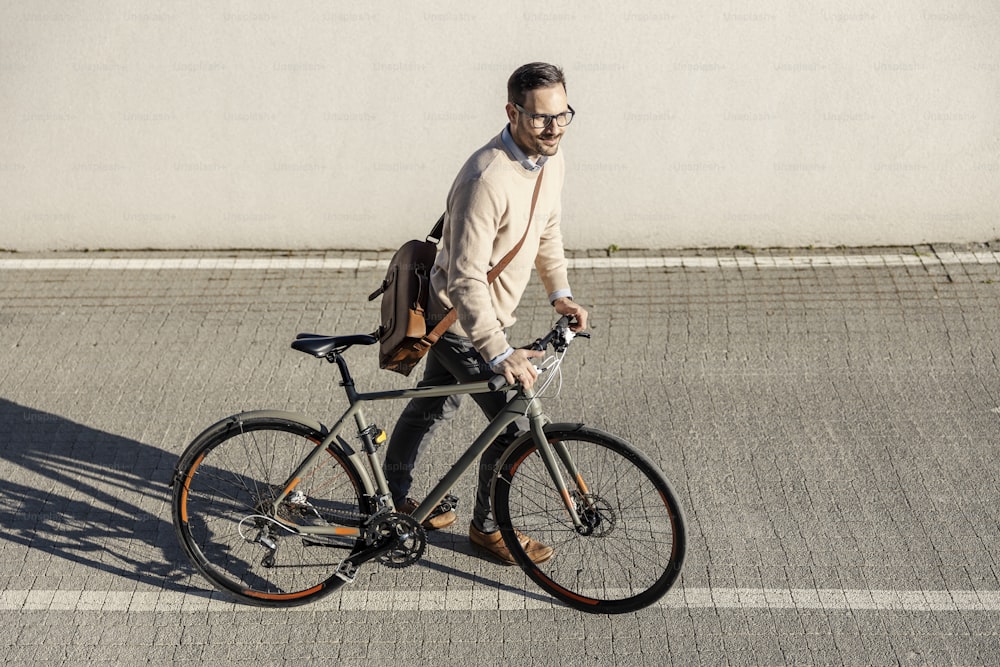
[829, 420]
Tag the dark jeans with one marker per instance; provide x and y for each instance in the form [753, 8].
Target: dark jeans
[452, 360]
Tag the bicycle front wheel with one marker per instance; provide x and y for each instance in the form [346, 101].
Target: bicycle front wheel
[225, 489]
[630, 547]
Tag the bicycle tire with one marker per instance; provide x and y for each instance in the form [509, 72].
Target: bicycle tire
[225, 485]
[635, 548]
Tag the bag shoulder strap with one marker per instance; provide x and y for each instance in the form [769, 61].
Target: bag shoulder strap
[450, 317]
[437, 231]
[506, 259]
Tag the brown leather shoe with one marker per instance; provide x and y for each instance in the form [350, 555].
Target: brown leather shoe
[493, 542]
[434, 521]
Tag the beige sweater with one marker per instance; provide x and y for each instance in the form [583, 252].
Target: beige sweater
[486, 216]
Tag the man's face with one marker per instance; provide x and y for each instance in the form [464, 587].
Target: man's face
[533, 141]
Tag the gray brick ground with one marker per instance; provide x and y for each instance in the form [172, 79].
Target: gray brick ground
[826, 428]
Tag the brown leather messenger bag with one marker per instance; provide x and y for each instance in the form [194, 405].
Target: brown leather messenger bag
[403, 335]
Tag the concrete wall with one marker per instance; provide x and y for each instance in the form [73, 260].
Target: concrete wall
[321, 124]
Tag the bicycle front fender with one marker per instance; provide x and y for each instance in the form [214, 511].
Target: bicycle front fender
[550, 429]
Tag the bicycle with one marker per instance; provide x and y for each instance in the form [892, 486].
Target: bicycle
[276, 509]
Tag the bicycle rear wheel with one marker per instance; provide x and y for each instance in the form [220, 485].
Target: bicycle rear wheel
[631, 548]
[223, 508]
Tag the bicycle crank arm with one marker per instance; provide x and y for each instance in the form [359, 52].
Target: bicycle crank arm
[348, 568]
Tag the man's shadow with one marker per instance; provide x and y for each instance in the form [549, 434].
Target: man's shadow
[88, 497]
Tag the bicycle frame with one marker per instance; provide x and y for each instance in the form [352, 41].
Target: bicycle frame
[523, 403]
[264, 500]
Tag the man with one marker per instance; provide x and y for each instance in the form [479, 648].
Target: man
[487, 214]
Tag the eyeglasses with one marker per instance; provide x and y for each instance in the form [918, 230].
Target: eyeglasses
[541, 120]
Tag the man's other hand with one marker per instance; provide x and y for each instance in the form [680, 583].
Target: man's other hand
[570, 308]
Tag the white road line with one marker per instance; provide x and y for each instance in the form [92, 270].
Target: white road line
[492, 599]
[190, 263]
[357, 263]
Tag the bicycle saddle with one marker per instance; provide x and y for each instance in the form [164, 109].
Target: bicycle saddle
[320, 346]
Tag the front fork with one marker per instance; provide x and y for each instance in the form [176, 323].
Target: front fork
[549, 452]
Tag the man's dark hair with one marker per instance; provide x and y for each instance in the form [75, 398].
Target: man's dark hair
[532, 76]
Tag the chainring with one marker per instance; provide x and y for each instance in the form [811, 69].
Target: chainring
[409, 540]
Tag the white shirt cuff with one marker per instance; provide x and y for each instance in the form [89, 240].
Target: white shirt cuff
[558, 294]
[500, 358]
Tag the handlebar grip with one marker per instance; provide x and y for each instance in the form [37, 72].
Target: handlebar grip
[496, 382]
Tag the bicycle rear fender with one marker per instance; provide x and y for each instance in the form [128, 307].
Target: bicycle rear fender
[233, 422]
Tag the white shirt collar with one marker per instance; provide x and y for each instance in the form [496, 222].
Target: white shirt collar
[508, 141]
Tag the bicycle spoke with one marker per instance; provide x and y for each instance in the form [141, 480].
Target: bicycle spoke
[232, 532]
[627, 553]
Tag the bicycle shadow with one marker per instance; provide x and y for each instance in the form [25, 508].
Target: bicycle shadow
[461, 546]
[92, 498]
[100, 502]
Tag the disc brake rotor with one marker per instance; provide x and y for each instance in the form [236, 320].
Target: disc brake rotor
[598, 516]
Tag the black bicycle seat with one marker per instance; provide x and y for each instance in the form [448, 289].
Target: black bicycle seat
[319, 345]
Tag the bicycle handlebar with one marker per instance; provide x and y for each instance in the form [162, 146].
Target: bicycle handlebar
[559, 329]
[560, 336]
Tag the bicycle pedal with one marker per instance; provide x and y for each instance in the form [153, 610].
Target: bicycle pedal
[448, 504]
[347, 571]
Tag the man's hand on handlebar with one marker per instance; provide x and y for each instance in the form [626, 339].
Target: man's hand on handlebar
[518, 367]
[570, 308]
